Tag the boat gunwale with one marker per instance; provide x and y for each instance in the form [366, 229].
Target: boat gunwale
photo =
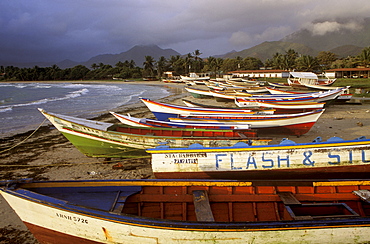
[293, 146]
[156, 223]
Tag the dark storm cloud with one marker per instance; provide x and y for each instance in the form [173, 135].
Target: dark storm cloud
[41, 30]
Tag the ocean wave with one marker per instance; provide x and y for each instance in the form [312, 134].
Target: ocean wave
[5, 109]
[70, 95]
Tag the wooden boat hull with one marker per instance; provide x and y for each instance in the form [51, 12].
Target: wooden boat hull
[143, 122]
[335, 158]
[94, 139]
[280, 108]
[290, 124]
[343, 96]
[145, 211]
[198, 93]
[163, 111]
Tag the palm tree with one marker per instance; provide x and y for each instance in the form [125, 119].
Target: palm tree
[307, 63]
[197, 59]
[94, 66]
[364, 56]
[188, 62]
[161, 65]
[149, 65]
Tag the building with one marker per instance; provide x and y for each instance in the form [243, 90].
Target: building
[260, 73]
[348, 73]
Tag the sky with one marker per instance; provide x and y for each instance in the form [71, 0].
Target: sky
[55, 30]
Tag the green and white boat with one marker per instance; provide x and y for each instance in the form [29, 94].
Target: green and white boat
[108, 140]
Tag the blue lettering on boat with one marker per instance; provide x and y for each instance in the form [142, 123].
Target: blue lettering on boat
[307, 160]
[333, 156]
[218, 159]
[271, 161]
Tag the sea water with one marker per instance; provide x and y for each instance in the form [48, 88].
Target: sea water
[19, 101]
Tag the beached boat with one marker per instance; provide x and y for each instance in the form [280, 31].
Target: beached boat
[196, 77]
[199, 93]
[276, 84]
[290, 107]
[101, 139]
[282, 124]
[335, 157]
[280, 108]
[243, 131]
[164, 111]
[344, 96]
[302, 78]
[317, 97]
[190, 211]
[193, 104]
[145, 122]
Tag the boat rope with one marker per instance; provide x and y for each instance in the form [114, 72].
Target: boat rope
[8, 149]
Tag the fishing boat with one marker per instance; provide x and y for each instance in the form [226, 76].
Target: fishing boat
[282, 124]
[164, 111]
[107, 140]
[196, 79]
[318, 97]
[302, 78]
[290, 107]
[191, 211]
[335, 157]
[276, 84]
[193, 104]
[280, 108]
[243, 131]
[146, 122]
[344, 96]
[198, 93]
[311, 97]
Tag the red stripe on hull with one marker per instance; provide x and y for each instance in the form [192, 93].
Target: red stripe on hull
[335, 172]
[47, 236]
[295, 130]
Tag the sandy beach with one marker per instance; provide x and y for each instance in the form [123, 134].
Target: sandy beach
[47, 155]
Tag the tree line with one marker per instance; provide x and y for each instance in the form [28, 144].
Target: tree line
[182, 65]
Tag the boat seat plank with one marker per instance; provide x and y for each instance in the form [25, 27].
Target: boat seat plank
[288, 198]
[203, 210]
[363, 195]
[119, 201]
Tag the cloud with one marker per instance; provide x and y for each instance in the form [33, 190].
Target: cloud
[325, 27]
[41, 30]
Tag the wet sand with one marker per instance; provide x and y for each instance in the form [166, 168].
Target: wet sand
[47, 155]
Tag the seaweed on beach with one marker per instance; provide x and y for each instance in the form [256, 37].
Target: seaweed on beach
[9, 235]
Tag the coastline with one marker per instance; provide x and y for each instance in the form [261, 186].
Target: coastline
[47, 155]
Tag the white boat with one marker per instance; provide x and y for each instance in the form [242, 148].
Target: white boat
[345, 95]
[196, 77]
[289, 124]
[192, 211]
[301, 78]
[163, 111]
[317, 97]
[334, 158]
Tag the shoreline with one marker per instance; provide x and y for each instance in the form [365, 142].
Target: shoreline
[47, 155]
[172, 90]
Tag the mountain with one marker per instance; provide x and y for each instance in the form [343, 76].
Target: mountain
[343, 42]
[266, 50]
[333, 38]
[346, 50]
[137, 53]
